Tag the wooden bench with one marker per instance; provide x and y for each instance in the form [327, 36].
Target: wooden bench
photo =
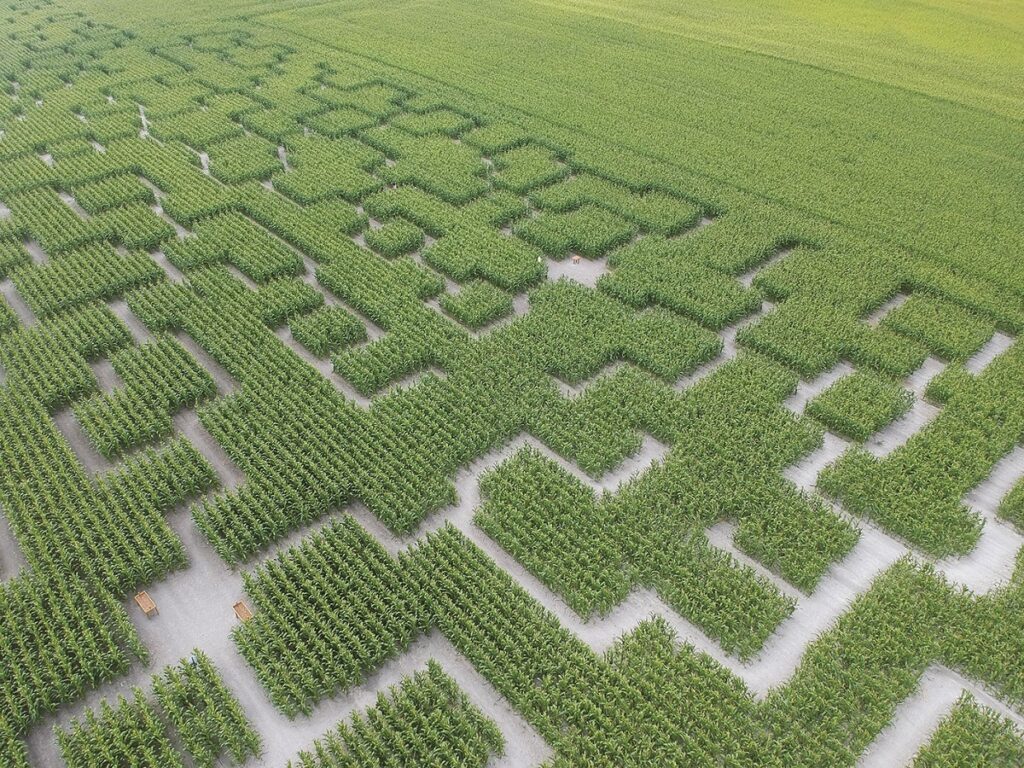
[242, 611]
[575, 258]
[145, 602]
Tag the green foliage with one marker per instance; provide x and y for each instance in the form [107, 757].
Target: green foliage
[8, 317]
[434, 163]
[282, 299]
[207, 717]
[825, 293]
[496, 136]
[272, 124]
[12, 256]
[374, 98]
[112, 192]
[674, 275]
[88, 640]
[731, 108]
[859, 405]
[243, 158]
[341, 122]
[654, 212]
[327, 330]
[67, 524]
[235, 239]
[592, 553]
[196, 127]
[472, 251]
[94, 272]
[549, 523]
[477, 303]
[574, 332]
[526, 167]
[707, 712]
[48, 360]
[973, 735]
[426, 719]
[1012, 506]
[160, 377]
[395, 238]
[948, 330]
[443, 121]
[951, 380]
[496, 181]
[917, 490]
[349, 580]
[12, 748]
[866, 639]
[811, 336]
[165, 477]
[129, 734]
[590, 230]
[797, 268]
[325, 168]
[58, 228]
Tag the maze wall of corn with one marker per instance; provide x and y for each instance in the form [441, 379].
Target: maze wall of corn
[370, 397]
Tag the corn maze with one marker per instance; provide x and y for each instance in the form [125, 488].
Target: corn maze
[521, 449]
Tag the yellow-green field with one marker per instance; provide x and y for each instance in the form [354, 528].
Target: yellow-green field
[898, 121]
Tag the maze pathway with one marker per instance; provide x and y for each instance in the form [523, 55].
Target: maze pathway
[654, 471]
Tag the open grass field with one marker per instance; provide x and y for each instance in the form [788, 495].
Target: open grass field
[444, 383]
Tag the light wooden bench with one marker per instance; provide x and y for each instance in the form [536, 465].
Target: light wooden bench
[145, 602]
[242, 611]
